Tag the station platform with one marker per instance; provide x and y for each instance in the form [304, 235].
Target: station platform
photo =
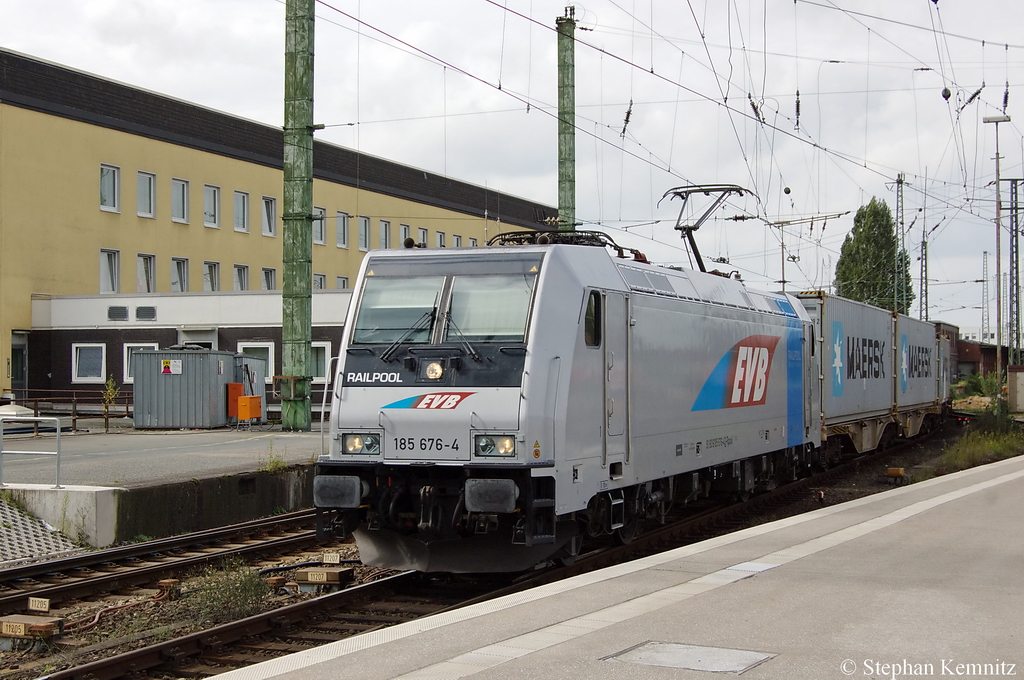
[923, 581]
[129, 484]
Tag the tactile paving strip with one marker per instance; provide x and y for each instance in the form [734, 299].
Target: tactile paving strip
[24, 538]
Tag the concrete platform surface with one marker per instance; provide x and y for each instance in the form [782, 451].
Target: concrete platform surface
[922, 581]
[127, 457]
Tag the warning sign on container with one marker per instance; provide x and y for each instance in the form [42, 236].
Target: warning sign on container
[171, 366]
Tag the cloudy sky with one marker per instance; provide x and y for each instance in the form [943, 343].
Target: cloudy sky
[468, 88]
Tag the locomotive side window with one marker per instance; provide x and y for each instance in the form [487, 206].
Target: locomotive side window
[491, 308]
[398, 308]
[592, 321]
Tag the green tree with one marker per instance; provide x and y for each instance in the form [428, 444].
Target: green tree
[867, 269]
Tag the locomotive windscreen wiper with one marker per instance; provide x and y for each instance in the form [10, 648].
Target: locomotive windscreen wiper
[424, 321]
[465, 341]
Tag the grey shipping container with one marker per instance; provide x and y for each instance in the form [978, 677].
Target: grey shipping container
[177, 389]
[856, 359]
[918, 368]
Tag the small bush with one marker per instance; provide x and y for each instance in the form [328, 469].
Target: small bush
[228, 595]
[978, 447]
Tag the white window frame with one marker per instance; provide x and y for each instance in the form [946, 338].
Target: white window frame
[385, 234]
[320, 279]
[472, 242]
[406, 232]
[320, 226]
[179, 213]
[242, 344]
[341, 229]
[110, 174]
[91, 380]
[268, 278]
[211, 275]
[142, 284]
[179, 270]
[364, 233]
[110, 271]
[440, 239]
[240, 282]
[341, 282]
[127, 350]
[422, 235]
[242, 225]
[144, 207]
[268, 216]
[326, 345]
[456, 241]
[211, 206]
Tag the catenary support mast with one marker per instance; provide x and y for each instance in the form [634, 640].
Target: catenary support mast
[296, 330]
[566, 26]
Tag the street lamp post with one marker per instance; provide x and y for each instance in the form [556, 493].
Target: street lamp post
[999, 275]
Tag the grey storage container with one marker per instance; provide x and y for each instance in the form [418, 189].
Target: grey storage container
[176, 389]
[918, 377]
[856, 358]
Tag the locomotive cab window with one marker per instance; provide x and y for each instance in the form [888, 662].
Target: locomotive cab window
[592, 320]
[493, 308]
[394, 309]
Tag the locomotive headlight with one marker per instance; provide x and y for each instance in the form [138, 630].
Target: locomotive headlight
[495, 445]
[368, 444]
[434, 370]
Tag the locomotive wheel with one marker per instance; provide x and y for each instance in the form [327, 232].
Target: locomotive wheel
[630, 528]
[628, 531]
[571, 550]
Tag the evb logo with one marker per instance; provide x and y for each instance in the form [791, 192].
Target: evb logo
[741, 376]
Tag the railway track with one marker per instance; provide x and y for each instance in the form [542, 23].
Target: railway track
[104, 571]
[298, 626]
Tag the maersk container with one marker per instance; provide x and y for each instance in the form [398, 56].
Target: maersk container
[917, 362]
[176, 389]
[855, 341]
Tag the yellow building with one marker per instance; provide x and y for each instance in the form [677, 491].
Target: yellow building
[105, 188]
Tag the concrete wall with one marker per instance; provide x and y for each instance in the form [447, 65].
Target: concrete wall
[85, 514]
[104, 516]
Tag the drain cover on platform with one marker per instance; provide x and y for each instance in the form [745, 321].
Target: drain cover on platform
[692, 658]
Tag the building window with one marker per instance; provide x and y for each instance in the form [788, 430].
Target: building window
[269, 216]
[456, 241]
[241, 211]
[128, 364]
[145, 273]
[385, 234]
[421, 234]
[341, 229]
[211, 206]
[440, 239]
[211, 276]
[472, 242]
[145, 194]
[406, 232]
[110, 188]
[179, 274]
[241, 277]
[364, 233]
[88, 362]
[320, 226]
[179, 200]
[263, 350]
[110, 271]
[341, 282]
[320, 358]
[319, 281]
[269, 279]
